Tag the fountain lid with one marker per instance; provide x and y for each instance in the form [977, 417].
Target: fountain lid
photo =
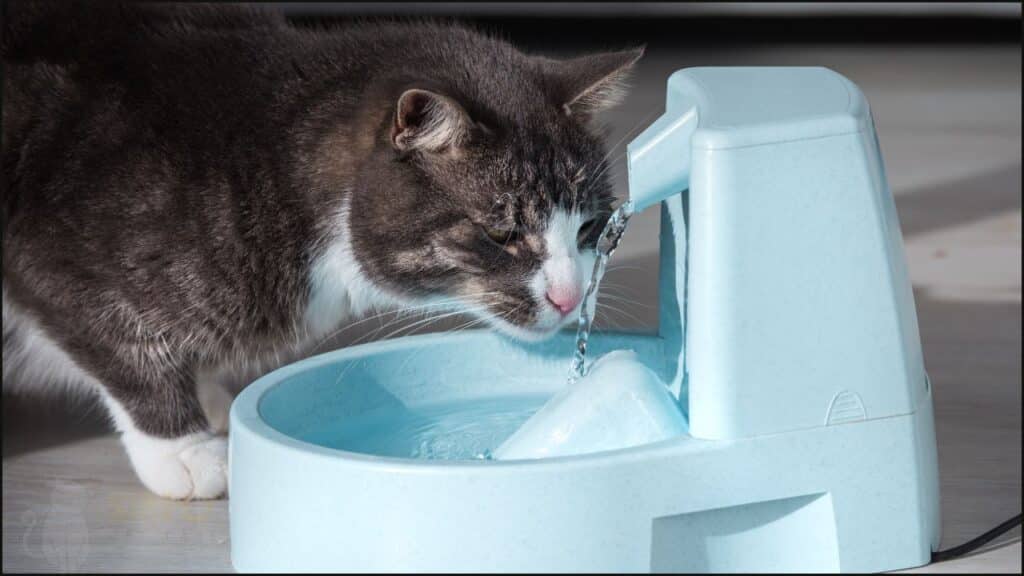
[748, 106]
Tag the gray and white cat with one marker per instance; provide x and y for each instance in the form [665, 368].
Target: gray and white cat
[188, 188]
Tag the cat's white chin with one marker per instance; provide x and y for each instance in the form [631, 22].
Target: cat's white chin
[534, 333]
[525, 334]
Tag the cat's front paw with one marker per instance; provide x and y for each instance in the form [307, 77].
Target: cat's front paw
[194, 467]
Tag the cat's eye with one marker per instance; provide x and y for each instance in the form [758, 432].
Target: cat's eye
[499, 236]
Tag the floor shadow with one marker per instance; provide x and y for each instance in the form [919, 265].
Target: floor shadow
[33, 423]
[972, 355]
[948, 204]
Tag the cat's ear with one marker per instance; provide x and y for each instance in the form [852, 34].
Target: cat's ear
[588, 84]
[428, 121]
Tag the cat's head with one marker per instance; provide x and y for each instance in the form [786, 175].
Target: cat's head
[491, 191]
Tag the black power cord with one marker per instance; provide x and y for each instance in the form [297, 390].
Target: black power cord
[978, 542]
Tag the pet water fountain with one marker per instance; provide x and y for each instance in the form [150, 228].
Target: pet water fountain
[787, 334]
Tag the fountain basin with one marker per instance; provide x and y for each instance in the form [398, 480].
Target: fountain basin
[311, 493]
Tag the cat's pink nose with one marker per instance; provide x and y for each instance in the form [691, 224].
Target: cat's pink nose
[564, 298]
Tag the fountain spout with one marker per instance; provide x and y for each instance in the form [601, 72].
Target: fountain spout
[659, 159]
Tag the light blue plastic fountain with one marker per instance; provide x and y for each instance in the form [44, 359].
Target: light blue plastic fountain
[787, 332]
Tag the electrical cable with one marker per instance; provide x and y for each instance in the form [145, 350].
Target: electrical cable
[971, 545]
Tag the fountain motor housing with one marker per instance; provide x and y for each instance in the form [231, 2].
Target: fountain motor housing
[786, 276]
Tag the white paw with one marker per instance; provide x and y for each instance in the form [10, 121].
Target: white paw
[194, 467]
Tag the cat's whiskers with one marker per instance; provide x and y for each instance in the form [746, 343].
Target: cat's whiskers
[432, 319]
[401, 314]
[618, 310]
[633, 130]
[601, 318]
[625, 300]
[342, 329]
[399, 320]
[488, 319]
[422, 323]
[485, 318]
[348, 368]
[626, 267]
[608, 164]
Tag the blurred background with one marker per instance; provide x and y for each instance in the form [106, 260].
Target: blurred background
[944, 84]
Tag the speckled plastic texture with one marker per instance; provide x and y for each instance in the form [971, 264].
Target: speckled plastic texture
[787, 331]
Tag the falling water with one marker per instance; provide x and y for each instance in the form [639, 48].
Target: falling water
[606, 244]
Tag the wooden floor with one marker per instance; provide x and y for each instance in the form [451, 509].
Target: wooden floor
[949, 122]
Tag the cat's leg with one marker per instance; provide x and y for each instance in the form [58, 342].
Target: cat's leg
[171, 445]
[149, 392]
[215, 399]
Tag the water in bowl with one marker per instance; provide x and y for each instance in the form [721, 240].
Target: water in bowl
[465, 430]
